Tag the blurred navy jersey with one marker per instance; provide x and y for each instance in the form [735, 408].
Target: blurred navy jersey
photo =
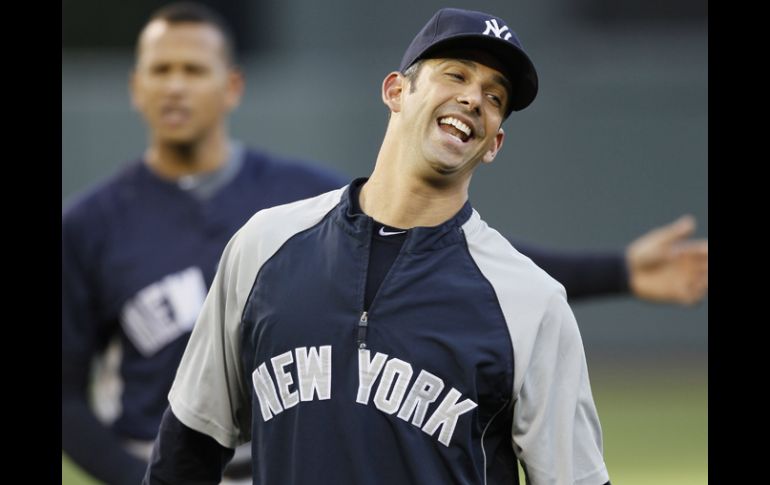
[138, 255]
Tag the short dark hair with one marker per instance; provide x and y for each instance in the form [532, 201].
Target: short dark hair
[412, 73]
[197, 13]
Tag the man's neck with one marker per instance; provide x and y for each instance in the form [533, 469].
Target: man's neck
[175, 160]
[396, 199]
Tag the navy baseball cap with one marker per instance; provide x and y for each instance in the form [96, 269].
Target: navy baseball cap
[453, 28]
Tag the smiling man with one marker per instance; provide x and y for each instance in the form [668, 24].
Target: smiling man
[382, 333]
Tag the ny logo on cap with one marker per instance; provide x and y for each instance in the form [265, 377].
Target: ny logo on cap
[494, 29]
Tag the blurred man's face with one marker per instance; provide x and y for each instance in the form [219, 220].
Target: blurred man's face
[183, 84]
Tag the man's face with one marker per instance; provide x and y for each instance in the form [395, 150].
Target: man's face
[182, 84]
[456, 108]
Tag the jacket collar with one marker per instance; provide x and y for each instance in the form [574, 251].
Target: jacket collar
[348, 216]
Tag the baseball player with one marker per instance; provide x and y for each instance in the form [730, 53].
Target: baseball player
[139, 250]
[382, 333]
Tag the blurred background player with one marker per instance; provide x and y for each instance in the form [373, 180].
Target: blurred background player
[139, 250]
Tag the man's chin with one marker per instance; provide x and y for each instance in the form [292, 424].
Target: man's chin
[446, 165]
[443, 174]
[443, 169]
[176, 138]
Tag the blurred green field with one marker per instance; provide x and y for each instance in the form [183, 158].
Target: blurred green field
[655, 424]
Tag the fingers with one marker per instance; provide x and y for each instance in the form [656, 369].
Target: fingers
[697, 287]
[696, 291]
[680, 229]
[697, 249]
[678, 275]
[694, 258]
[654, 247]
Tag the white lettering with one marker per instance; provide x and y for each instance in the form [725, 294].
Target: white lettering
[424, 391]
[404, 371]
[159, 313]
[367, 373]
[268, 398]
[446, 416]
[314, 372]
[496, 30]
[284, 379]
[277, 392]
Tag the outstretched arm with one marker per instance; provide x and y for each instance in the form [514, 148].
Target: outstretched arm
[662, 265]
[584, 274]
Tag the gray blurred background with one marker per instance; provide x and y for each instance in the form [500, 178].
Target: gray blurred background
[614, 144]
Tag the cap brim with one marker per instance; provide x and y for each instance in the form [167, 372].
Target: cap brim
[517, 66]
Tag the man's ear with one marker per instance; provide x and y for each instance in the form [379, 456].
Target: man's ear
[392, 88]
[235, 87]
[497, 144]
[137, 100]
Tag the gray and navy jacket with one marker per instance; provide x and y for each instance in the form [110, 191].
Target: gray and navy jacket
[468, 358]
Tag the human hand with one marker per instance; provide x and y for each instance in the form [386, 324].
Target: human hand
[665, 266]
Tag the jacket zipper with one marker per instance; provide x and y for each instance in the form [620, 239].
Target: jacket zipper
[363, 325]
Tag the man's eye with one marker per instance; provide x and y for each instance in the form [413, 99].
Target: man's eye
[495, 99]
[159, 69]
[456, 75]
[195, 70]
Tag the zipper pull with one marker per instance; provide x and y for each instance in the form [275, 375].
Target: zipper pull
[363, 323]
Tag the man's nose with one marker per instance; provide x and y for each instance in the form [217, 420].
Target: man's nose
[472, 98]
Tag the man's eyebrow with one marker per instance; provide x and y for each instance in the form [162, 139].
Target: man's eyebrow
[468, 63]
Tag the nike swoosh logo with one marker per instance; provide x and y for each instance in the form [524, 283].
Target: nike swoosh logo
[383, 232]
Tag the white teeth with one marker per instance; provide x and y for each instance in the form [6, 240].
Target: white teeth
[457, 124]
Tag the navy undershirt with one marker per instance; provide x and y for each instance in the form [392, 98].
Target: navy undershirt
[385, 246]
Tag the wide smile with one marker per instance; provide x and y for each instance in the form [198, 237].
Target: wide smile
[455, 127]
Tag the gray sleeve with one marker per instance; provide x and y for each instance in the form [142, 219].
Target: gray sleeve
[208, 393]
[556, 431]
